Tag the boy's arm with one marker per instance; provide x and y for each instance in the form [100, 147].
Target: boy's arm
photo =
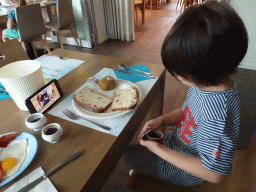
[171, 118]
[10, 24]
[187, 163]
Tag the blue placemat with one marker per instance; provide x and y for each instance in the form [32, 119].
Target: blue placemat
[130, 77]
[4, 96]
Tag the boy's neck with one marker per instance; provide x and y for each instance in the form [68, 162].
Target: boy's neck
[225, 85]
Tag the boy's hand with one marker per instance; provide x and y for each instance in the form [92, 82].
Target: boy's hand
[152, 124]
[151, 145]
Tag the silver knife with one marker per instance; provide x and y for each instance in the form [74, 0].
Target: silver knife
[62, 164]
[135, 74]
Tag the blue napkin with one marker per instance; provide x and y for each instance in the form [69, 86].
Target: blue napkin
[130, 77]
[4, 96]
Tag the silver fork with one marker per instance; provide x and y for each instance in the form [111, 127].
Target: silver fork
[74, 116]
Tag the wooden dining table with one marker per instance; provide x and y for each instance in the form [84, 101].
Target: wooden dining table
[101, 151]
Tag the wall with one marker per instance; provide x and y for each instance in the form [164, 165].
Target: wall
[100, 20]
[247, 11]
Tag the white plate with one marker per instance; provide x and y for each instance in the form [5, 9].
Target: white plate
[31, 152]
[108, 114]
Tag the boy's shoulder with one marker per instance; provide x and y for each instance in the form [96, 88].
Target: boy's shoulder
[214, 105]
[197, 91]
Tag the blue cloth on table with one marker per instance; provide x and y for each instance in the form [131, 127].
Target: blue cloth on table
[4, 96]
[130, 77]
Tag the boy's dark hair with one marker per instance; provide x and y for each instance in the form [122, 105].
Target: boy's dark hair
[205, 44]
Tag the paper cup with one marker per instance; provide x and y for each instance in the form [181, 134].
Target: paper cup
[21, 79]
[154, 135]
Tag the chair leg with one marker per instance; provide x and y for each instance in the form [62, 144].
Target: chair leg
[44, 42]
[44, 37]
[23, 45]
[73, 32]
[136, 15]
[60, 38]
[34, 49]
[142, 9]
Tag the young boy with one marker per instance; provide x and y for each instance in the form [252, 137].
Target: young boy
[202, 50]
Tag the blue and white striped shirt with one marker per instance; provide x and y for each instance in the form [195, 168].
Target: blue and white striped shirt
[209, 128]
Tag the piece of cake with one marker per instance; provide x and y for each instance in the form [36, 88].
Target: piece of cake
[124, 99]
[92, 101]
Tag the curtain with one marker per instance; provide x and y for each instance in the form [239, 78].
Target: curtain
[119, 19]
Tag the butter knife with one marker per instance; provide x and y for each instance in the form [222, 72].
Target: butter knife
[40, 179]
[135, 74]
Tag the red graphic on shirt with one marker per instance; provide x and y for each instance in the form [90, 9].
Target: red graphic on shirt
[186, 122]
[216, 153]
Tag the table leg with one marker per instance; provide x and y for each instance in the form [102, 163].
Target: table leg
[157, 108]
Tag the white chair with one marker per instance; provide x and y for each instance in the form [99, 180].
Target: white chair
[12, 51]
[31, 25]
[64, 20]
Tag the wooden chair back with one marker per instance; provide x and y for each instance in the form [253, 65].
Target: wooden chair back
[12, 51]
[65, 13]
[30, 22]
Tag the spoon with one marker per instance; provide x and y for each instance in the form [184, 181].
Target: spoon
[92, 80]
[126, 67]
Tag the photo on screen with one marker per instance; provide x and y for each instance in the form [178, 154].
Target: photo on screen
[45, 98]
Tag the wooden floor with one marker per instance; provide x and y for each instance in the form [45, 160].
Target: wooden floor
[146, 48]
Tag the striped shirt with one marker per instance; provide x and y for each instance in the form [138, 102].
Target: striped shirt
[209, 129]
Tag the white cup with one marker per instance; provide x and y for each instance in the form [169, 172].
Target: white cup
[35, 121]
[21, 79]
[52, 132]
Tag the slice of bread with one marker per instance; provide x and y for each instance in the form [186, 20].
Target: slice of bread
[92, 101]
[124, 99]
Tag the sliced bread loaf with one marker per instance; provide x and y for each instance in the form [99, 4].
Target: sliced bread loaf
[124, 99]
[92, 101]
